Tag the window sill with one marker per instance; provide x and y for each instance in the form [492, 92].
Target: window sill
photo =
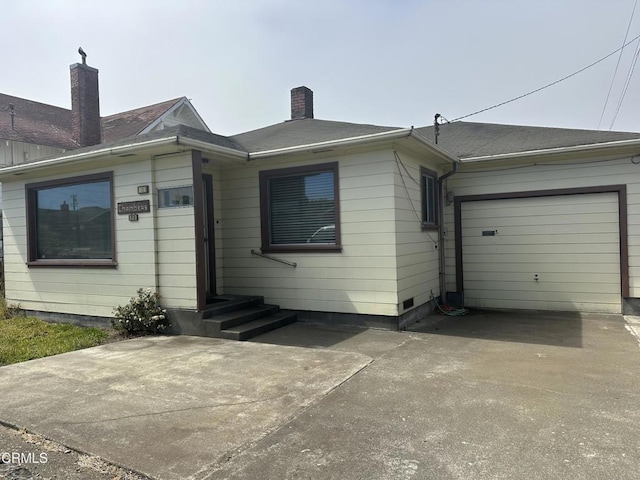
[303, 249]
[73, 263]
[427, 226]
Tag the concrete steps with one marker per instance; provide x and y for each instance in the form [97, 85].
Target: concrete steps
[241, 318]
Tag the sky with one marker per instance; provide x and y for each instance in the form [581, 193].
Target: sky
[382, 62]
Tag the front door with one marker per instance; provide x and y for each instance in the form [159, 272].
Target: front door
[208, 235]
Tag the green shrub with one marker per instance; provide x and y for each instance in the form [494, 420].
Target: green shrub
[142, 314]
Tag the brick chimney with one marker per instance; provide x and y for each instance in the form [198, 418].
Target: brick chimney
[301, 103]
[85, 105]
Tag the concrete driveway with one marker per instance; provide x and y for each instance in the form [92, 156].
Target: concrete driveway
[488, 396]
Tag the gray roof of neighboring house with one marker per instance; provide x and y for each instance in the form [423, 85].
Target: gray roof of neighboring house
[132, 122]
[43, 124]
[469, 139]
[35, 123]
[302, 132]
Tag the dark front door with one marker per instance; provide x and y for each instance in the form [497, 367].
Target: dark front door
[208, 235]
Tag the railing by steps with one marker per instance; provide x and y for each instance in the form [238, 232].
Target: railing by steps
[286, 262]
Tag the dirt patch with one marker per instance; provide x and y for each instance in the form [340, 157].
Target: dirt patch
[25, 456]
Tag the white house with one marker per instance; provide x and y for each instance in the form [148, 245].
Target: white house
[328, 221]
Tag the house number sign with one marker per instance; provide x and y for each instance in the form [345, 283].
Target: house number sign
[139, 206]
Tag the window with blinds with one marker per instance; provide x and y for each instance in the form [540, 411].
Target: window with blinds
[299, 208]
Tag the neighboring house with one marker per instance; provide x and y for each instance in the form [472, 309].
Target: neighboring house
[334, 221]
[31, 130]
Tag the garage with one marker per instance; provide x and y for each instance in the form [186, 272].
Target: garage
[555, 250]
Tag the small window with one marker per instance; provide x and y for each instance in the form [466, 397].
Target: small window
[429, 191]
[299, 209]
[175, 197]
[70, 221]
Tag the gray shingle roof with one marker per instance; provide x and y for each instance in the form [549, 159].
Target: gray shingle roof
[35, 122]
[178, 130]
[302, 132]
[132, 122]
[469, 139]
[43, 124]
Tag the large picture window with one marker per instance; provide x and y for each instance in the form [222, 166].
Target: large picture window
[300, 209]
[429, 191]
[70, 221]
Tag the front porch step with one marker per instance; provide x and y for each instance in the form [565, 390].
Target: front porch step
[231, 304]
[257, 327]
[230, 319]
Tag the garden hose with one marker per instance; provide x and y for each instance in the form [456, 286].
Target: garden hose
[452, 312]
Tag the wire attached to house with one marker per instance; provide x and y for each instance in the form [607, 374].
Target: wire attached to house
[549, 84]
[406, 189]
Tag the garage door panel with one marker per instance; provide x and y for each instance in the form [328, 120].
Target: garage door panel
[508, 236]
[513, 252]
[532, 288]
[570, 242]
[566, 258]
[522, 220]
[571, 204]
[525, 273]
[549, 305]
[533, 267]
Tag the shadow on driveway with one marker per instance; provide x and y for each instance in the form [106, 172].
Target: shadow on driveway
[563, 329]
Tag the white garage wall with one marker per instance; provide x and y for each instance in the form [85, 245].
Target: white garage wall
[417, 249]
[487, 178]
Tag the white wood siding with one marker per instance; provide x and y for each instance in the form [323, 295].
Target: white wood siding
[550, 253]
[152, 252]
[417, 251]
[13, 153]
[84, 291]
[360, 279]
[176, 236]
[546, 176]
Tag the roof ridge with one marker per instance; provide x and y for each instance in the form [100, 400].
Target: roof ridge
[34, 101]
[173, 101]
[533, 126]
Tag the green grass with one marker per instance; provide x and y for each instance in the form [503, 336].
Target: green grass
[26, 338]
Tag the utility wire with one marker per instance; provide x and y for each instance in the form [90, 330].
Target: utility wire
[617, 65]
[632, 69]
[549, 84]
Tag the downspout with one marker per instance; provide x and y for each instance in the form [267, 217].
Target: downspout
[441, 232]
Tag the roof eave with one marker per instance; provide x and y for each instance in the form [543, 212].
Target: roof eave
[124, 150]
[618, 146]
[441, 152]
[318, 147]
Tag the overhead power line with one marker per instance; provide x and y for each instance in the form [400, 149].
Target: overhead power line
[617, 65]
[632, 69]
[549, 84]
